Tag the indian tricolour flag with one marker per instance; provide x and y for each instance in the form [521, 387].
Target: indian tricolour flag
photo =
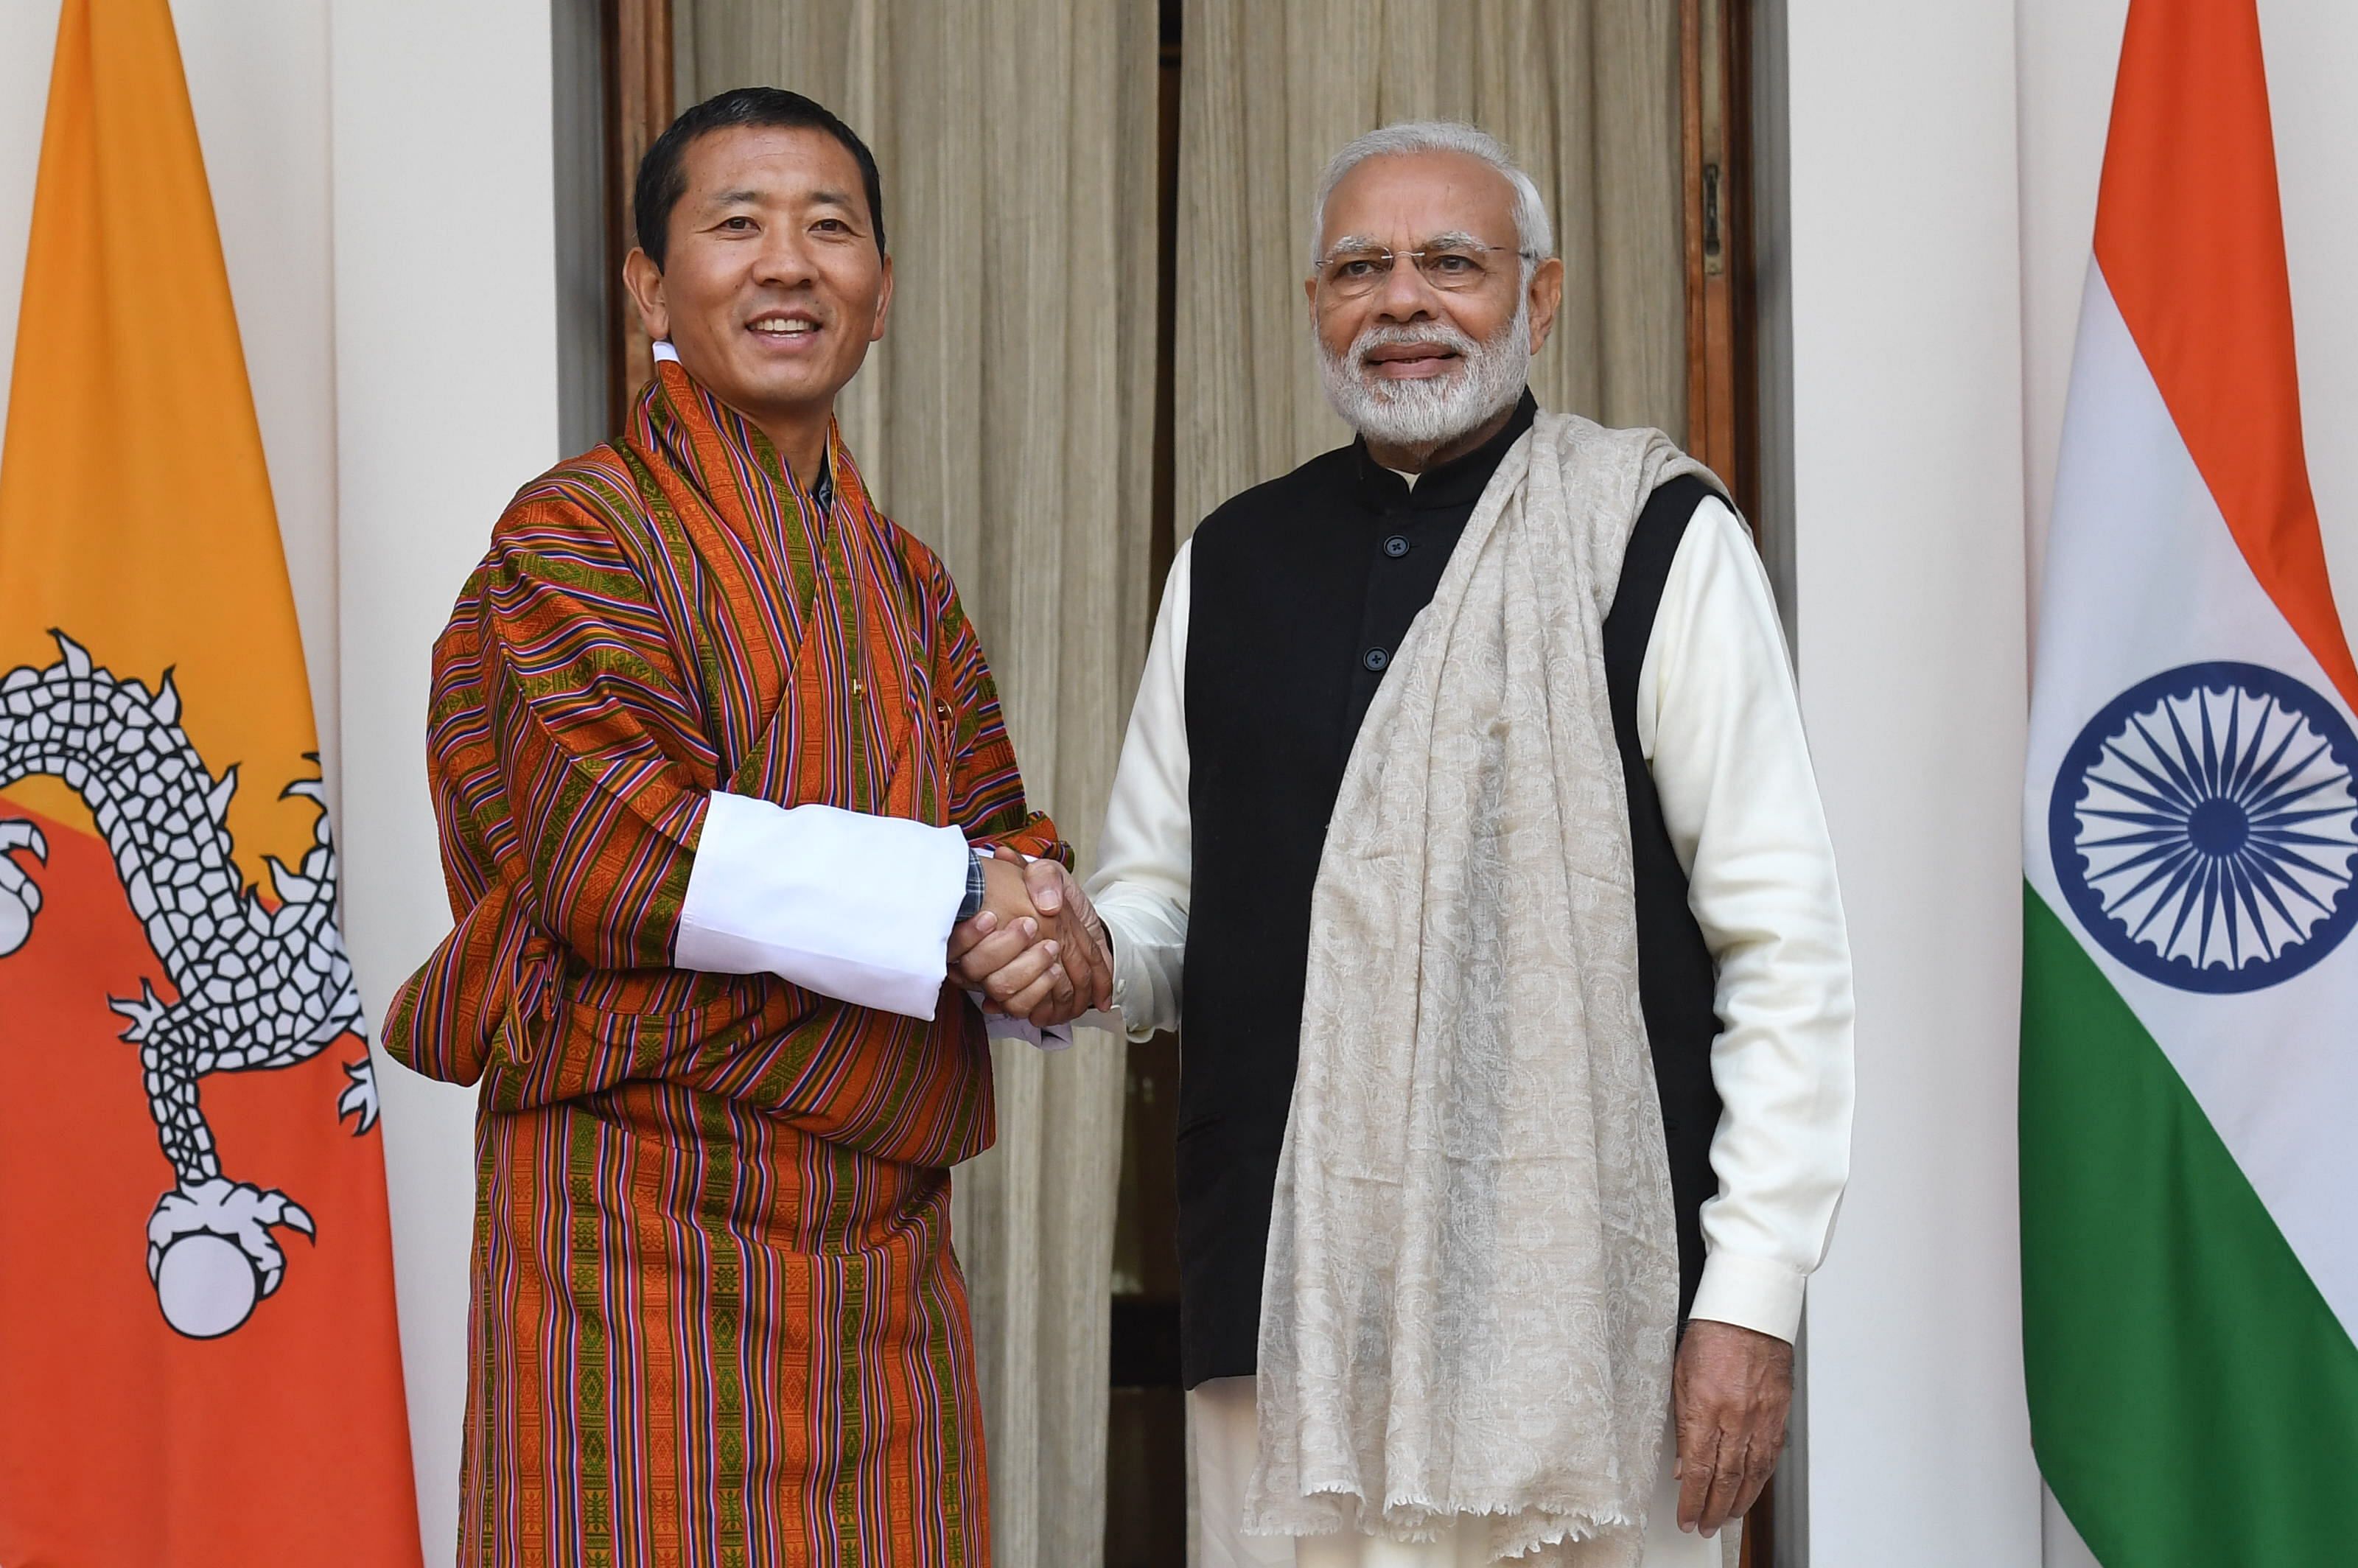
[2190, 1036]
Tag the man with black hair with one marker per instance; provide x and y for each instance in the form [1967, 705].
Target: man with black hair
[719, 768]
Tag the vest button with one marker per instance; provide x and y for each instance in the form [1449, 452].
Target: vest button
[1376, 659]
[1396, 546]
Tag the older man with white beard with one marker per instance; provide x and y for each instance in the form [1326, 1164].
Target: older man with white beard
[1466, 831]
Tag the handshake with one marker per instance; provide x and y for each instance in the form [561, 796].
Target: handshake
[1036, 950]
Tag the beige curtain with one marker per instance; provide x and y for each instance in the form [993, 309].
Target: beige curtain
[1584, 93]
[1006, 419]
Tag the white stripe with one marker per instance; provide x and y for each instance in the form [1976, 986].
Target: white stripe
[2142, 576]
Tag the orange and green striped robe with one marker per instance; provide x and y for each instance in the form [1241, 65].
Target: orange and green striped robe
[716, 1318]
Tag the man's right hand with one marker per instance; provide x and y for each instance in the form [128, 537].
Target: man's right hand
[1051, 964]
[1007, 952]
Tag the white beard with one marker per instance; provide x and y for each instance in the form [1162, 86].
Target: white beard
[1430, 411]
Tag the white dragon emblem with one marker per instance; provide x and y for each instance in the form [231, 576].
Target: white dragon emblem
[254, 987]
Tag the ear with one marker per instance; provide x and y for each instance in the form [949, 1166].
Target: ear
[644, 282]
[883, 303]
[1546, 296]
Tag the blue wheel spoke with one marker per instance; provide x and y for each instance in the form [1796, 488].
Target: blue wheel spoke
[2166, 791]
[2207, 886]
[2281, 867]
[2241, 882]
[2263, 877]
[2179, 782]
[2268, 770]
[2286, 794]
[2176, 821]
[2222, 883]
[2171, 861]
[2119, 869]
[2210, 747]
[2285, 818]
[2187, 759]
[2188, 861]
[2285, 835]
[2248, 763]
[2167, 809]
[2230, 756]
[2174, 834]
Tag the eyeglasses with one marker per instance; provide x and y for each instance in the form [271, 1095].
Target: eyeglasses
[1454, 266]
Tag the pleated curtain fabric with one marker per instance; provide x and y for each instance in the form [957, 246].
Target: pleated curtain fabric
[1007, 420]
[1584, 93]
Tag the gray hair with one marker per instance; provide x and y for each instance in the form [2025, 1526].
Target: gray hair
[1533, 235]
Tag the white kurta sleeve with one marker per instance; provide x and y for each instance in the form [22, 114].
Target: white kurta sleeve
[1146, 855]
[847, 904]
[1720, 724]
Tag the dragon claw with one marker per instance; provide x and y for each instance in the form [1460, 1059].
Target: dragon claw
[358, 1099]
[21, 896]
[211, 1256]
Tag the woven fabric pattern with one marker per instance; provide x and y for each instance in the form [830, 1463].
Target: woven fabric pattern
[1473, 1271]
[715, 1317]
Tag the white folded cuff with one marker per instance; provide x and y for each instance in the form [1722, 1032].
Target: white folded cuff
[847, 904]
[1053, 1036]
[1759, 1293]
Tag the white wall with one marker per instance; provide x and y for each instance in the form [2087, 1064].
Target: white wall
[446, 403]
[1907, 408]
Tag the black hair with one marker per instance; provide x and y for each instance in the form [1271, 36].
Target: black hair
[663, 173]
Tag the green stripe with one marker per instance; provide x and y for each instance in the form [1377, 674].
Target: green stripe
[2194, 1399]
[586, 1282]
[724, 1322]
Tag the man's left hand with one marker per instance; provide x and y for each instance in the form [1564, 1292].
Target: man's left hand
[1731, 1390]
[1002, 964]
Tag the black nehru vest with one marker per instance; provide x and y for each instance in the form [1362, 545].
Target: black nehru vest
[1303, 589]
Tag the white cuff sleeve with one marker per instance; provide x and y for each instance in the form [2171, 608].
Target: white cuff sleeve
[1758, 1294]
[850, 905]
[1054, 1037]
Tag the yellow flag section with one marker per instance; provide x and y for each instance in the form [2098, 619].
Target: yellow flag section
[199, 1363]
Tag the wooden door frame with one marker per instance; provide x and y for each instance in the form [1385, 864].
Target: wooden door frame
[638, 106]
[1714, 74]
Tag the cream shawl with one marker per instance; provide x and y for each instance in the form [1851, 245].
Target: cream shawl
[1472, 1273]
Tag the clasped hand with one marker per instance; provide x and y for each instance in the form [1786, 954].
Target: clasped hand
[1036, 949]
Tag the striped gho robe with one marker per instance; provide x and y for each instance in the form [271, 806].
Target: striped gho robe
[715, 1315]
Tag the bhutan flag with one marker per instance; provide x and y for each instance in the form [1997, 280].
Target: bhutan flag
[198, 1356]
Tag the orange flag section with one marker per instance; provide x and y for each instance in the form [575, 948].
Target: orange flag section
[199, 1361]
[135, 505]
[2190, 237]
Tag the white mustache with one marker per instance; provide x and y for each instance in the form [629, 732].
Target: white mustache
[1435, 336]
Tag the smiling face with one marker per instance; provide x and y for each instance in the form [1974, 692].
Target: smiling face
[772, 286]
[1409, 364]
